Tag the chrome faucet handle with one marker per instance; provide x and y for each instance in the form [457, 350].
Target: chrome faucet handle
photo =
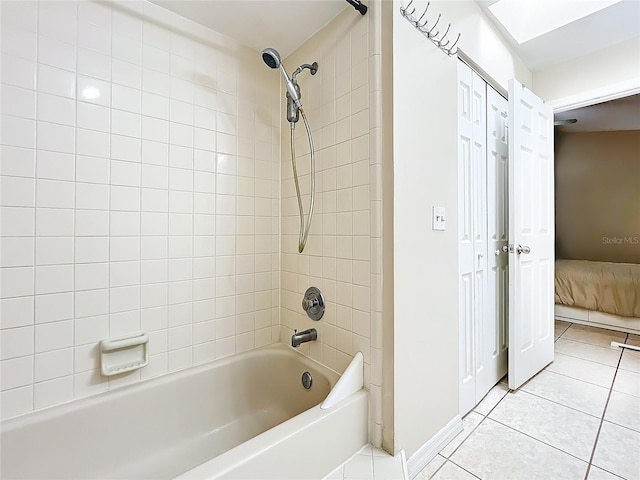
[313, 303]
[308, 303]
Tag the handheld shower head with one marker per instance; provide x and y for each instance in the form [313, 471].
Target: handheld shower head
[272, 58]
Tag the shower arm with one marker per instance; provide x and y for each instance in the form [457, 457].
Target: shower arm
[313, 69]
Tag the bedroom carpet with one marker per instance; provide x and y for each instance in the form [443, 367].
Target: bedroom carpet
[578, 418]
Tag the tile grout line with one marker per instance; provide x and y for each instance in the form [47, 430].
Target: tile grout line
[579, 379]
[563, 332]
[454, 463]
[538, 440]
[604, 411]
[562, 404]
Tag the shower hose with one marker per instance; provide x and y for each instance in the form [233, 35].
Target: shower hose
[304, 228]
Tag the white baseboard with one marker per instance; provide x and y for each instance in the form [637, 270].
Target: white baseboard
[420, 459]
[405, 471]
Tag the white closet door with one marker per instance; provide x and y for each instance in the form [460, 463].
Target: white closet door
[472, 229]
[495, 331]
[465, 239]
[531, 232]
[483, 325]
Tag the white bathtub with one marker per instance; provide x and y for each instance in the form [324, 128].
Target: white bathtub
[246, 416]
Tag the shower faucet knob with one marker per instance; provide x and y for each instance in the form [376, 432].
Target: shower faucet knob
[313, 303]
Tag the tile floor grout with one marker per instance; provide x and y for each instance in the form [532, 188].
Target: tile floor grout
[562, 404]
[604, 411]
[538, 440]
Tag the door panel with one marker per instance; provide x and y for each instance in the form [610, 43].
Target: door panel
[483, 325]
[465, 239]
[475, 359]
[530, 227]
[497, 234]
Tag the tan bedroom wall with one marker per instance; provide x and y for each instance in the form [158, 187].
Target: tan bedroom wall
[598, 196]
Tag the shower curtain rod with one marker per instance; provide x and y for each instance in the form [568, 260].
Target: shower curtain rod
[358, 5]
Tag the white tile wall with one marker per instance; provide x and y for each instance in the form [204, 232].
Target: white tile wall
[343, 253]
[139, 191]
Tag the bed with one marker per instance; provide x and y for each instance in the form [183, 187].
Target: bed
[602, 294]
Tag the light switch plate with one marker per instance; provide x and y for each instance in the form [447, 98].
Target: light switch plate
[439, 220]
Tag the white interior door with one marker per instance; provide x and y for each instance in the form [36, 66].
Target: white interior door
[531, 234]
[495, 329]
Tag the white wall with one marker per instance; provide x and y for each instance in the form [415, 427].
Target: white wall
[612, 70]
[140, 187]
[426, 357]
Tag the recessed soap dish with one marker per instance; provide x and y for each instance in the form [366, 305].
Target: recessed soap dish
[123, 354]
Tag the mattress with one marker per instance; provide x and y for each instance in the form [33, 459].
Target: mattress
[604, 286]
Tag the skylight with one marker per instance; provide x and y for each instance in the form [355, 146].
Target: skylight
[528, 19]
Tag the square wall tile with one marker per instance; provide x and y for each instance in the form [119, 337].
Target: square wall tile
[53, 336]
[16, 372]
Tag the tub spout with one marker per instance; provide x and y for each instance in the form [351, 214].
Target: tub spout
[307, 336]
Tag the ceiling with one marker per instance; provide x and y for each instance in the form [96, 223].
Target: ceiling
[620, 114]
[258, 24]
[610, 26]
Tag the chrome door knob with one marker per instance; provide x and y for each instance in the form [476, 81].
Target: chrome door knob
[520, 249]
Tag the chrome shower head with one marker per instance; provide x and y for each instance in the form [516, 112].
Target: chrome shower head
[272, 58]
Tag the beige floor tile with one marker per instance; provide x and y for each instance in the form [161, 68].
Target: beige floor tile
[556, 425]
[360, 467]
[627, 382]
[567, 391]
[431, 468]
[560, 328]
[387, 468]
[592, 335]
[491, 399]
[596, 473]
[469, 422]
[581, 369]
[494, 451]
[586, 351]
[337, 474]
[451, 471]
[630, 360]
[617, 451]
[624, 410]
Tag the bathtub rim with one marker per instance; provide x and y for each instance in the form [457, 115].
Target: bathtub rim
[219, 467]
